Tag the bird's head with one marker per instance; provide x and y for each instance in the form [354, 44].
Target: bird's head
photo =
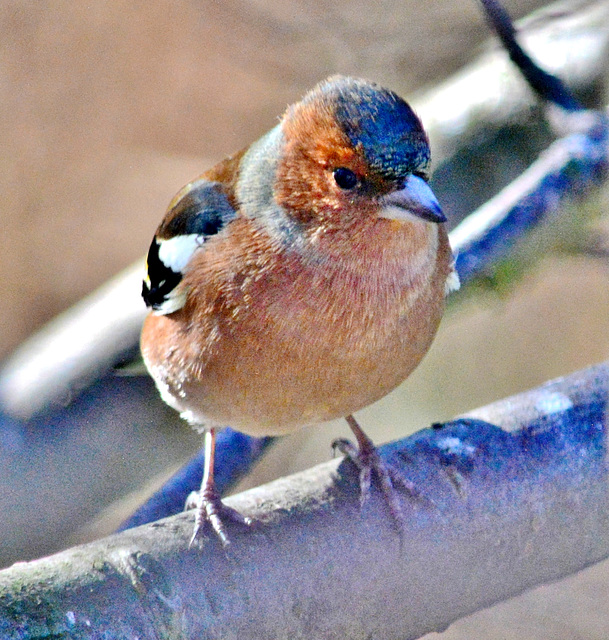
[354, 150]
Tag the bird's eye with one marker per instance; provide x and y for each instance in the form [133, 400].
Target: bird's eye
[345, 178]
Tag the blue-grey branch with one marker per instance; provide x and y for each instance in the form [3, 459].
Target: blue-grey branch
[571, 165]
[508, 497]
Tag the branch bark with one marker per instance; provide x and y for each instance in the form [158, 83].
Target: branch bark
[507, 497]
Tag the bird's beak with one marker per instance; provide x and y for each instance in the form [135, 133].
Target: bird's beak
[414, 199]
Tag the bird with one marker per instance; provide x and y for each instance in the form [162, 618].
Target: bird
[300, 279]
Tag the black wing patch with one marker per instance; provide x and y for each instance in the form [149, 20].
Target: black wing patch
[202, 211]
[163, 280]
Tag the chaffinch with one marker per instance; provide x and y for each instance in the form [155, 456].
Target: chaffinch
[301, 279]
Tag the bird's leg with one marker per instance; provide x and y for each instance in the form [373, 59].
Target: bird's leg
[367, 459]
[209, 505]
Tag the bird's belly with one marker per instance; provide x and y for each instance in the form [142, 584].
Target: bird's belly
[279, 372]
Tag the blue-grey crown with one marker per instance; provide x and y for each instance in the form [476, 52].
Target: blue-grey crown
[379, 122]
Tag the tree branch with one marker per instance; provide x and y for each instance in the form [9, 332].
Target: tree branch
[496, 511]
[547, 86]
[569, 167]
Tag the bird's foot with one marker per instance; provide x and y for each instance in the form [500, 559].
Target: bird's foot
[210, 508]
[367, 460]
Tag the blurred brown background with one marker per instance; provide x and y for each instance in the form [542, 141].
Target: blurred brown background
[107, 108]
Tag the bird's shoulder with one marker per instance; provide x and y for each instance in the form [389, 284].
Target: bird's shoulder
[202, 209]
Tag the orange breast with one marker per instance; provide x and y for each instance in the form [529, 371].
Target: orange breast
[269, 341]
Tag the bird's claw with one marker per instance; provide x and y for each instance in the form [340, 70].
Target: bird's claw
[210, 508]
[367, 460]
